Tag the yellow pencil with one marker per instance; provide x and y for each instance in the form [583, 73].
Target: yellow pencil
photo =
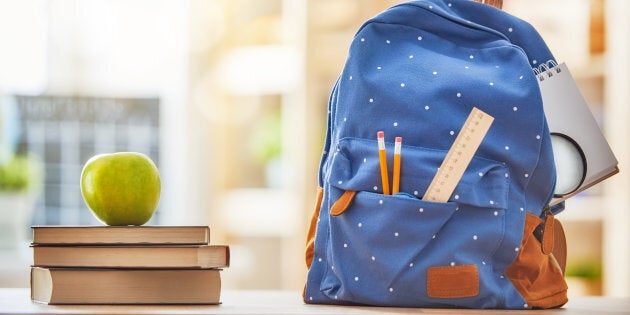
[382, 157]
[397, 156]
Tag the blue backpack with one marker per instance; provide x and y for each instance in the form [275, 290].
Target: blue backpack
[416, 71]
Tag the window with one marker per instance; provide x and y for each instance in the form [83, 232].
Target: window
[64, 132]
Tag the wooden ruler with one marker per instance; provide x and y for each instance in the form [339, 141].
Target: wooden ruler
[459, 156]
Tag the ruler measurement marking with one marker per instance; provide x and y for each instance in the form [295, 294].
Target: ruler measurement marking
[459, 156]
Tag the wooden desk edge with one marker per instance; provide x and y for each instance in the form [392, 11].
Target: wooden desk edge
[17, 301]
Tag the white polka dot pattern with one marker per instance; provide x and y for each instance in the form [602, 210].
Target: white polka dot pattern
[416, 71]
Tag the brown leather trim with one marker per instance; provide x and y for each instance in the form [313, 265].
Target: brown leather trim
[453, 281]
[310, 237]
[548, 238]
[495, 3]
[342, 203]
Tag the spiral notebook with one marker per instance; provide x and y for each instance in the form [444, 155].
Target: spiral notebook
[583, 156]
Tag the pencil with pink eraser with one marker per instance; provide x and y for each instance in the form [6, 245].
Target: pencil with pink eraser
[382, 157]
[397, 157]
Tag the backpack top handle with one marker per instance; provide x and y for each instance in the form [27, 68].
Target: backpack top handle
[495, 3]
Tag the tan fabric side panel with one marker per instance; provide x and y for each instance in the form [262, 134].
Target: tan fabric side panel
[537, 276]
[310, 237]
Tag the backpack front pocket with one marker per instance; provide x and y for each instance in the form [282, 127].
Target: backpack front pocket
[381, 247]
[374, 244]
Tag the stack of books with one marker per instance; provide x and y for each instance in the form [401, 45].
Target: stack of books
[126, 265]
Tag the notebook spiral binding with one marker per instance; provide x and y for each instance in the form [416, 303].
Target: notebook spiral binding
[547, 68]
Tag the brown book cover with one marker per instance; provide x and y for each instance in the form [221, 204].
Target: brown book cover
[132, 256]
[125, 286]
[119, 235]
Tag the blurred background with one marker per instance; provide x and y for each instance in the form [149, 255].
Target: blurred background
[229, 98]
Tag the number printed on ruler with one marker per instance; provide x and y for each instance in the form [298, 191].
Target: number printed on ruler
[459, 156]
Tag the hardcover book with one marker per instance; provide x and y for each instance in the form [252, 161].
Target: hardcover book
[132, 256]
[125, 286]
[118, 235]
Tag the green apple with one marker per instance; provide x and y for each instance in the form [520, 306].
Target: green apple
[121, 188]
